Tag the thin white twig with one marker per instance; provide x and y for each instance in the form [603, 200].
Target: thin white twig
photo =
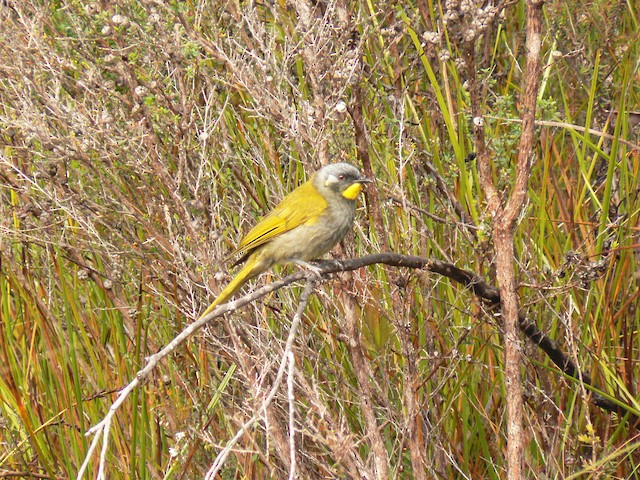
[101, 429]
[292, 415]
[570, 126]
[295, 324]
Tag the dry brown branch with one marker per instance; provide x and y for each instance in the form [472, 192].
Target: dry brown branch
[504, 216]
[503, 237]
[361, 369]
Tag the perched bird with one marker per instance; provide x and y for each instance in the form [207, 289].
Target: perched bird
[305, 225]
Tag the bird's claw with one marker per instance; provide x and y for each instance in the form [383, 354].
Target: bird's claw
[317, 271]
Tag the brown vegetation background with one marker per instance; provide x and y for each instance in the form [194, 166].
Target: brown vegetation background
[141, 139]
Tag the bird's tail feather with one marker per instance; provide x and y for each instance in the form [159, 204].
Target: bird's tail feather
[251, 269]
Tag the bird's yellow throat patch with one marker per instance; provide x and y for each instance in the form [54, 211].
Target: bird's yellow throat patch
[352, 191]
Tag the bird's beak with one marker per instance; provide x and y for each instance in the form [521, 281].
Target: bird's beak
[352, 191]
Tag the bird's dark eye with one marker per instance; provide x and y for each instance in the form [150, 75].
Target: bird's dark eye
[340, 177]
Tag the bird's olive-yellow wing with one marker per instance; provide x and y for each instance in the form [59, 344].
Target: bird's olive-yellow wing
[302, 206]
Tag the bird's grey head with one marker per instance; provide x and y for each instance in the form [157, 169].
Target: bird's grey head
[341, 178]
